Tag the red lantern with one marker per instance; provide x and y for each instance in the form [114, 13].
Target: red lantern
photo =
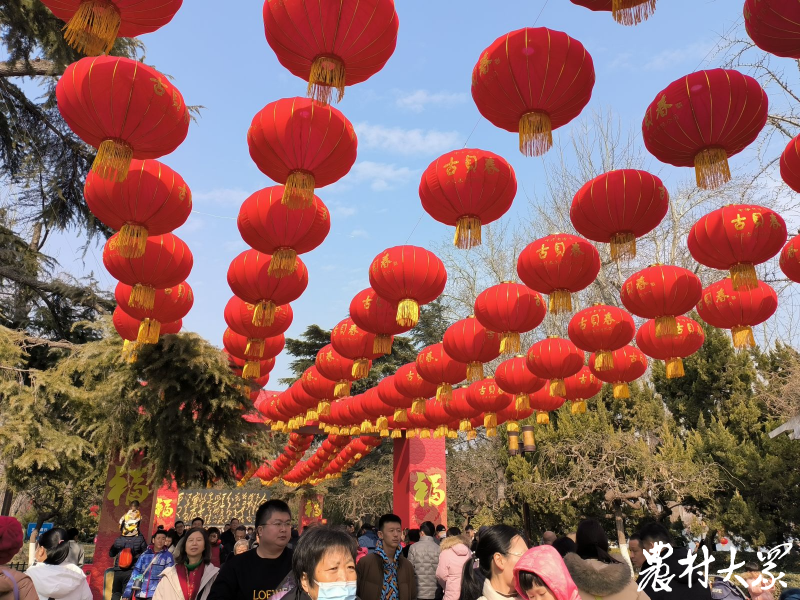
[510, 309]
[387, 390]
[790, 164]
[357, 345]
[737, 237]
[303, 145]
[461, 410]
[322, 388]
[790, 259]
[250, 280]
[469, 342]
[619, 206]
[559, 265]
[377, 410]
[437, 417]
[237, 365]
[602, 329]
[128, 329]
[625, 12]
[435, 366]
[270, 227]
[334, 366]
[94, 25]
[555, 359]
[166, 262]
[123, 108]
[153, 200]
[376, 315]
[514, 378]
[533, 80]
[671, 348]
[169, 304]
[543, 403]
[490, 399]
[331, 45]
[240, 347]
[703, 119]
[239, 317]
[515, 412]
[410, 383]
[409, 276]
[630, 363]
[580, 387]
[661, 292]
[307, 402]
[774, 26]
[468, 188]
[739, 311]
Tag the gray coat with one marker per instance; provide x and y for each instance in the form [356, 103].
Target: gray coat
[424, 555]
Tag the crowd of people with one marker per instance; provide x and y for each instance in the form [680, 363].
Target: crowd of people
[269, 561]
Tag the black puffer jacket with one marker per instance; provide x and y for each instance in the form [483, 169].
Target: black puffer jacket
[135, 542]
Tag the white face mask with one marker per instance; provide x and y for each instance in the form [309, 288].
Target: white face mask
[336, 590]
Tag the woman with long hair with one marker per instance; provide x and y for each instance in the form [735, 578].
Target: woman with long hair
[53, 576]
[491, 575]
[193, 574]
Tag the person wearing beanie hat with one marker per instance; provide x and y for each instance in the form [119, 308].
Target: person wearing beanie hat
[10, 544]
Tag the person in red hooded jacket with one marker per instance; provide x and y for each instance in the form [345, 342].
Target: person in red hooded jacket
[542, 575]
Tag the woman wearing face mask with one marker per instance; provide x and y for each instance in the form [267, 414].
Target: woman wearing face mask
[193, 574]
[52, 576]
[324, 565]
[542, 575]
[491, 575]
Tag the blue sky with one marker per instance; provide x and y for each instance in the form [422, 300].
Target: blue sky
[418, 107]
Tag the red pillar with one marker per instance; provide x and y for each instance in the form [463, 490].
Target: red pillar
[420, 481]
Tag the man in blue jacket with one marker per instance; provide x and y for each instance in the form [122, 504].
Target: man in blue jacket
[149, 567]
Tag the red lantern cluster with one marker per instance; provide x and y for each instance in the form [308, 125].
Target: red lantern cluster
[661, 292]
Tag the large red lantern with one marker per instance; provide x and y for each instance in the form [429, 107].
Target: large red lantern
[543, 403]
[619, 206]
[737, 237]
[790, 164]
[737, 310]
[580, 387]
[790, 259]
[533, 80]
[302, 145]
[625, 12]
[411, 384]
[123, 108]
[357, 345]
[391, 395]
[774, 26]
[514, 378]
[166, 262]
[703, 119]
[468, 188]
[555, 359]
[559, 265]
[322, 388]
[169, 304]
[661, 292]
[240, 347]
[94, 25]
[672, 349]
[152, 200]
[376, 315]
[435, 366]
[487, 396]
[272, 228]
[410, 276]
[469, 342]
[331, 45]
[239, 317]
[334, 366]
[630, 363]
[249, 278]
[514, 413]
[510, 309]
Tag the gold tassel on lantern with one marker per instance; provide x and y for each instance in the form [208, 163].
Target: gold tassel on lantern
[474, 371]
[560, 302]
[396, 434]
[522, 402]
[472, 434]
[418, 408]
[444, 393]
[513, 426]
[743, 277]
[623, 246]
[366, 426]
[254, 348]
[311, 415]
[579, 407]
[264, 313]
[509, 342]
[360, 368]
[252, 369]
[542, 418]
[468, 232]
[382, 423]
[400, 415]
[711, 168]
[632, 12]
[130, 351]
[342, 389]
[384, 433]
[452, 434]
[604, 360]
[492, 432]
[535, 133]
[327, 74]
[149, 329]
[382, 344]
[298, 191]
[408, 313]
[743, 337]
[490, 421]
[354, 430]
[324, 408]
[440, 432]
[93, 28]
[666, 325]
[557, 387]
[113, 160]
[132, 240]
[621, 390]
[411, 433]
[465, 425]
[283, 262]
[425, 434]
[675, 368]
[142, 296]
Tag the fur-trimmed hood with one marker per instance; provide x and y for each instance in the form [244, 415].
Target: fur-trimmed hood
[453, 540]
[598, 578]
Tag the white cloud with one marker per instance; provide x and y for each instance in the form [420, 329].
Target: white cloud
[340, 209]
[379, 176]
[667, 59]
[417, 100]
[406, 141]
[227, 196]
[359, 233]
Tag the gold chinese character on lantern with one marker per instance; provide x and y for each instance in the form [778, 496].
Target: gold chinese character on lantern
[427, 489]
[367, 302]
[773, 222]
[738, 222]
[583, 322]
[543, 251]
[158, 88]
[489, 166]
[641, 283]
[450, 168]
[648, 119]
[353, 330]
[595, 319]
[608, 319]
[560, 248]
[471, 162]
[721, 296]
[663, 107]
[758, 219]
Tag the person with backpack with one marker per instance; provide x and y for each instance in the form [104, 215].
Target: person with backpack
[53, 576]
[149, 568]
[13, 584]
[125, 551]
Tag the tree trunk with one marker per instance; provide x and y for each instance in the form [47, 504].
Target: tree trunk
[526, 519]
[32, 68]
[622, 539]
[8, 497]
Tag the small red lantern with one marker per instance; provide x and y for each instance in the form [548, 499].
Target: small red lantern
[774, 26]
[387, 390]
[322, 388]
[128, 329]
[737, 237]
[461, 410]
[661, 292]
[543, 403]
[625, 12]
[580, 387]
[435, 366]
[376, 315]
[437, 417]
[469, 342]
[739, 311]
[602, 329]
[487, 396]
[510, 309]
[357, 345]
[514, 378]
[169, 304]
[334, 366]
[411, 384]
[514, 413]
[239, 317]
[790, 164]
[630, 363]
[790, 259]
[555, 359]
[703, 119]
[240, 347]
[671, 348]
